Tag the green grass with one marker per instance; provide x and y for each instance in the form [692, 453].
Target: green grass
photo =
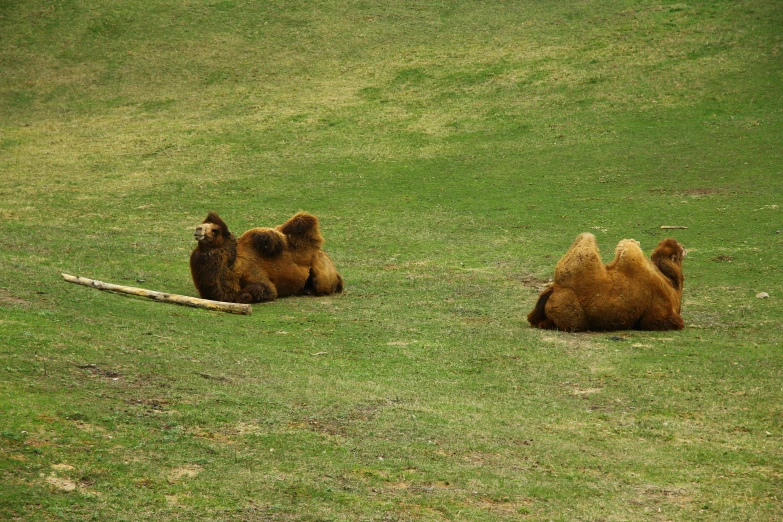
[452, 150]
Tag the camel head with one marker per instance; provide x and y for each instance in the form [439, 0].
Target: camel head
[668, 256]
[212, 232]
[671, 249]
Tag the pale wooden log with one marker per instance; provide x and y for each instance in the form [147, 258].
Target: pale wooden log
[673, 227]
[234, 308]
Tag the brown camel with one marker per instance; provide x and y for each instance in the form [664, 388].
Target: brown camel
[631, 292]
[263, 263]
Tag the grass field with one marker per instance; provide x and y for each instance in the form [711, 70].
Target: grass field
[452, 150]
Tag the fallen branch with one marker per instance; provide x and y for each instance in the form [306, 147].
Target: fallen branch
[234, 308]
[673, 227]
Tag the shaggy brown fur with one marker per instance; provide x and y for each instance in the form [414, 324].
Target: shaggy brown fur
[630, 292]
[263, 263]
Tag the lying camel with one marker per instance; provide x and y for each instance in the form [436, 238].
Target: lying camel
[631, 292]
[263, 263]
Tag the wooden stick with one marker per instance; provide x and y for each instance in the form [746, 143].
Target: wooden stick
[234, 308]
[671, 227]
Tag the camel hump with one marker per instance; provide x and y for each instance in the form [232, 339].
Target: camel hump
[302, 229]
[628, 257]
[267, 241]
[582, 260]
[302, 224]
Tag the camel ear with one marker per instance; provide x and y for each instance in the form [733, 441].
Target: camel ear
[213, 218]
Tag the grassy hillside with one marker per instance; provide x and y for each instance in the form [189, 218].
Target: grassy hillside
[453, 150]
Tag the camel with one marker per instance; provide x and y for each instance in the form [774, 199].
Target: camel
[631, 292]
[263, 263]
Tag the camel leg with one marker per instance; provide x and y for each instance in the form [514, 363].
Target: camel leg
[324, 279]
[564, 310]
[661, 322]
[257, 292]
[537, 317]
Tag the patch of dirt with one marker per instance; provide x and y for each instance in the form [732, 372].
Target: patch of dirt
[184, 472]
[89, 428]
[61, 483]
[474, 320]
[702, 191]
[153, 406]
[501, 506]
[67, 485]
[245, 428]
[152, 403]
[37, 443]
[570, 340]
[209, 377]
[678, 495]
[338, 426]
[586, 392]
[721, 258]
[6, 299]
[212, 435]
[367, 410]
[327, 427]
[400, 343]
[96, 370]
[531, 281]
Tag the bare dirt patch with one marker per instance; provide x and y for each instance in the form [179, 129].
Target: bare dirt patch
[501, 506]
[400, 343]
[62, 484]
[702, 191]
[96, 370]
[184, 472]
[586, 392]
[326, 426]
[214, 436]
[210, 377]
[152, 406]
[6, 299]
[530, 281]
